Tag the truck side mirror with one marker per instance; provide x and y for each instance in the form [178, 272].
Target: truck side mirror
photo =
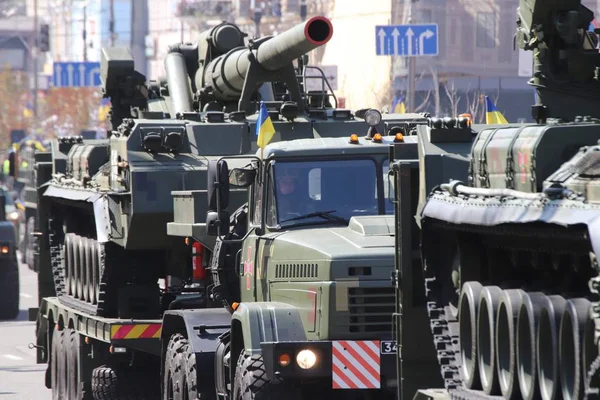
[12, 159]
[241, 177]
[218, 189]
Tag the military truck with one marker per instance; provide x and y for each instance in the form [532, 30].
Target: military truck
[29, 152]
[508, 246]
[9, 266]
[118, 215]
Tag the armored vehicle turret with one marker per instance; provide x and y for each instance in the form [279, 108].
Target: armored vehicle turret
[508, 241]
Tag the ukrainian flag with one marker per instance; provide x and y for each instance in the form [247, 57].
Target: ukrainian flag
[264, 127]
[398, 106]
[28, 110]
[104, 109]
[492, 115]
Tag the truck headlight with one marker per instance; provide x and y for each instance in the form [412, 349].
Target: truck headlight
[306, 359]
[12, 216]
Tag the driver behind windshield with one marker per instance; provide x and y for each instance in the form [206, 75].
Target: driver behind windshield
[290, 202]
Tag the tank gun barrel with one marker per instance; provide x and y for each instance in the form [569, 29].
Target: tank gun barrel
[230, 75]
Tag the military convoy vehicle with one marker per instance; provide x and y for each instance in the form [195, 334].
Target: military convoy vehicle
[9, 266]
[23, 169]
[166, 262]
[508, 239]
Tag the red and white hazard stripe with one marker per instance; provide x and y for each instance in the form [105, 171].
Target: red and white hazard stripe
[356, 364]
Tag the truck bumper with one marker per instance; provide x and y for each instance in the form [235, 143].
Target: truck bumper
[346, 364]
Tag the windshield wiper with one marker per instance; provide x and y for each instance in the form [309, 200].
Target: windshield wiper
[323, 214]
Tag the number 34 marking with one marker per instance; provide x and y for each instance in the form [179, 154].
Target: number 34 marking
[388, 347]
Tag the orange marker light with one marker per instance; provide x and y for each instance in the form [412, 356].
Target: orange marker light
[354, 138]
[377, 137]
[284, 360]
[5, 249]
[399, 137]
[235, 305]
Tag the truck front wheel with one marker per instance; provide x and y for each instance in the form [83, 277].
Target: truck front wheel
[252, 383]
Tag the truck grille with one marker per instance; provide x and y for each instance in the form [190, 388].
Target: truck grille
[370, 309]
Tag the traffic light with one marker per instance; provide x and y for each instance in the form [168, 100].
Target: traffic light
[44, 41]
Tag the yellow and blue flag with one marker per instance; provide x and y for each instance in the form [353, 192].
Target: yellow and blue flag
[104, 109]
[264, 127]
[492, 115]
[28, 110]
[398, 106]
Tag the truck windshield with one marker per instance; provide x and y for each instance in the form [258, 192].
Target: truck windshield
[332, 190]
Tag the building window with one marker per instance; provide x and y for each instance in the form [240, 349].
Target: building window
[486, 30]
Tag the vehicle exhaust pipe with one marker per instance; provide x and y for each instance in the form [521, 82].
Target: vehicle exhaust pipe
[486, 329]
[571, 344]
[547, 346]
[506, 342]
[527, 326]
[468, 306]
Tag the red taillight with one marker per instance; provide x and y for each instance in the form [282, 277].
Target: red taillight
[198, 270]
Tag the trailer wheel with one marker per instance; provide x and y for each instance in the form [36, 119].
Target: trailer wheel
[251, 382]
[58, 371]
[122, 382]
[75, 389]
[9, 289]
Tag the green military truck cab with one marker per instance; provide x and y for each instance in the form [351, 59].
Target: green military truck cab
[307, 278]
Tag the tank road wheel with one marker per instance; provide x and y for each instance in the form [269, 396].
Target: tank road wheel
[89, 274]
[251, 382]
[97, 269]
[58, 366]
[75, 285]
[83, 270]
[68, 263]
[9, 289]
[92, 271]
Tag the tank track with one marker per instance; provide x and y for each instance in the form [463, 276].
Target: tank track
[445, 330]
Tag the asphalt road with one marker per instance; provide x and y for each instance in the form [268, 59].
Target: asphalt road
[20, 377]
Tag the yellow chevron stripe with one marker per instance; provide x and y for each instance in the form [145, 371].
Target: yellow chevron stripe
[137, 331]
[157, 334]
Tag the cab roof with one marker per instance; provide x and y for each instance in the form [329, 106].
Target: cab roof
[332, 146]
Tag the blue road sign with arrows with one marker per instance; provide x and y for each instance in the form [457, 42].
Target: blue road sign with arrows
[407, 40]
[69, 74]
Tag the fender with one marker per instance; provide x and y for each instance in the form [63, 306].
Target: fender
[203, 329]
[253, 323]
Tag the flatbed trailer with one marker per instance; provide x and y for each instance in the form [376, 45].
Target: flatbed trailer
[111, 357]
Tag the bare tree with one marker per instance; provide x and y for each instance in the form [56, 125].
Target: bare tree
[453, 97]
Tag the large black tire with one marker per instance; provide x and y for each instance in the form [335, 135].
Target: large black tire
[58, 365]
[251, 382]
[174, 374]
[9, 289]
[77, 389]
[122, 383]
